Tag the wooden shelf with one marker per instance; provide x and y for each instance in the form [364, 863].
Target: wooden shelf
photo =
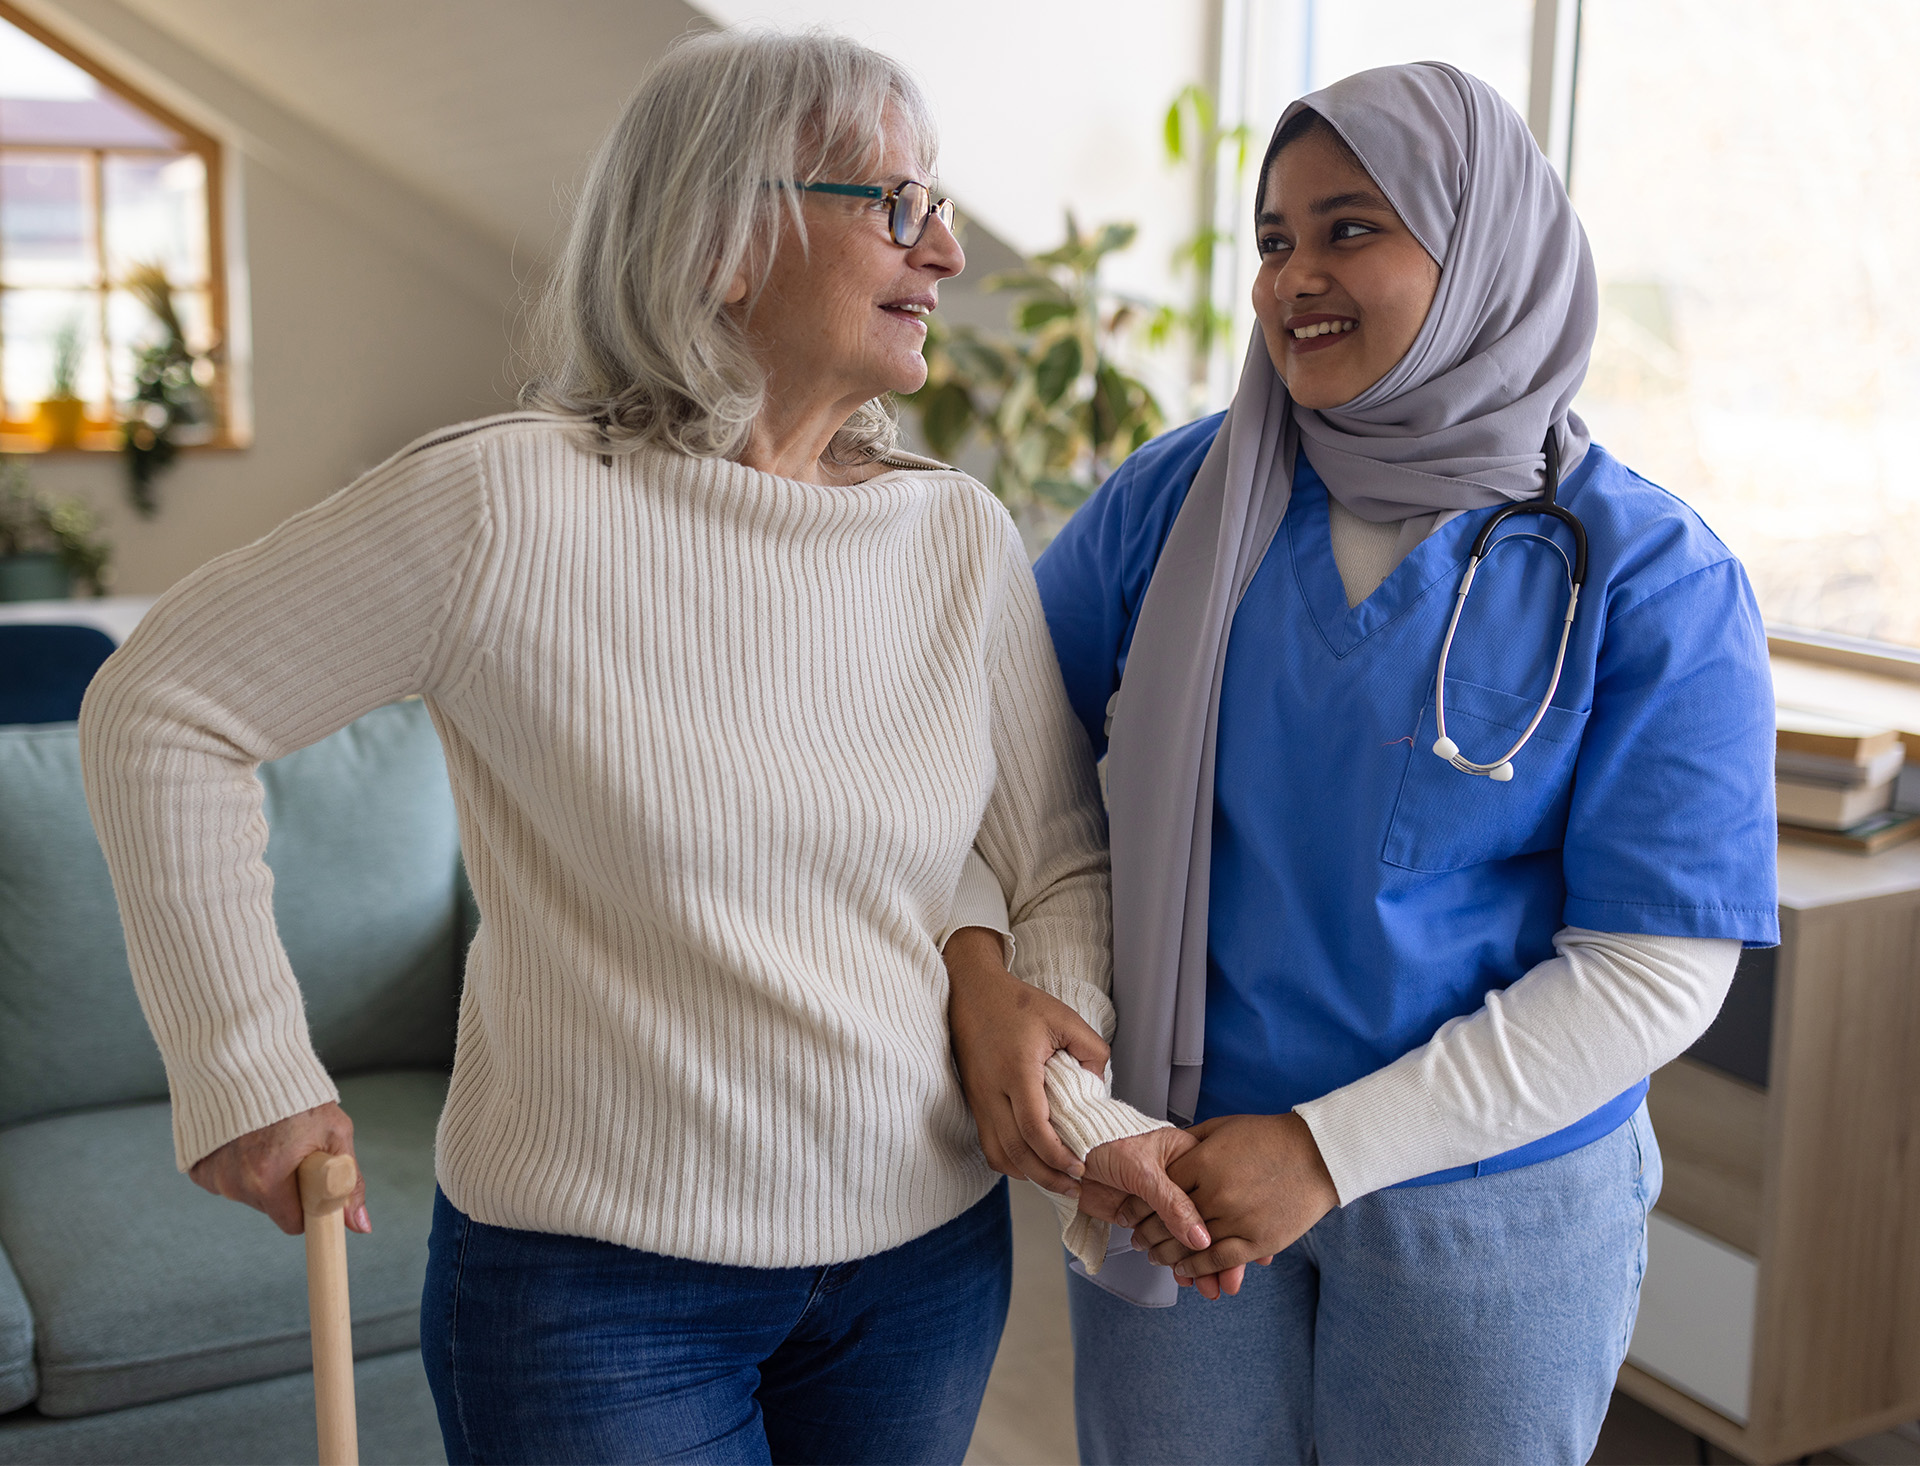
[1713, 1138]
[1816, 1176]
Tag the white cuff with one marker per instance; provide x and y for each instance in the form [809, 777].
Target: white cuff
[979, 901]
[1380, 1130]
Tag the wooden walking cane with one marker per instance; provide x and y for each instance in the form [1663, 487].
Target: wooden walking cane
[326, 1181]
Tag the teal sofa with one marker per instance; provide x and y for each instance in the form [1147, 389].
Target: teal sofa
[141, 1319]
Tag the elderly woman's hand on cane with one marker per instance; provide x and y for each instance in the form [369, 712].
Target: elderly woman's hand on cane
[259, 1168]
[302, 1173]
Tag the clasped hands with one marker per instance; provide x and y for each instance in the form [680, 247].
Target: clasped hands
[1205, 1202]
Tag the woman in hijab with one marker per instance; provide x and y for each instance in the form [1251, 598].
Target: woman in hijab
[1408, 976]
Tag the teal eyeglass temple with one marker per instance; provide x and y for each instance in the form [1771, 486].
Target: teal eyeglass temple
[912, 203]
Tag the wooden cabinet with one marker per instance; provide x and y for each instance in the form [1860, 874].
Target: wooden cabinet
[1785, 1249]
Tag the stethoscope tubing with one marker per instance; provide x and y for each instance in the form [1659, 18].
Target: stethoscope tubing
[1457, 759]
[1501, 769]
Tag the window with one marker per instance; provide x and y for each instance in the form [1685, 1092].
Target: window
[1490, 38]
[97, 184]
[1745, 169]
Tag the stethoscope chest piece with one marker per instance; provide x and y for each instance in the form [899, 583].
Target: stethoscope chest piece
[1500, 770]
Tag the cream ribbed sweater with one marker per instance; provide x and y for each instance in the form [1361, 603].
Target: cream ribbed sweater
[720, 742]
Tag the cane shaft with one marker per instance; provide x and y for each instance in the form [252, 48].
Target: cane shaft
[323, 1197]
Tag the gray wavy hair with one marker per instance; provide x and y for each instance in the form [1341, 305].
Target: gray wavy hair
[631, 332]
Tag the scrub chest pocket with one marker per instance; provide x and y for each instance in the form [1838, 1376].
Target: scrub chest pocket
[1447, 820]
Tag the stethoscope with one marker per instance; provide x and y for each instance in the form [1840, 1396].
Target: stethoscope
[1501, 769]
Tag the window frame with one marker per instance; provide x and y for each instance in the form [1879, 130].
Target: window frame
[212, 154]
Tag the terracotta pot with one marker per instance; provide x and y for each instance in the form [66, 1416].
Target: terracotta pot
[35, 577]
[58, 420]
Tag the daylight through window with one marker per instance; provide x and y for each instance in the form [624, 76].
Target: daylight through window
[102, 196]
[1745, 169]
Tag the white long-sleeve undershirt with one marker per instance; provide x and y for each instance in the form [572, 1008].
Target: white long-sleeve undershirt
[1574, 1031]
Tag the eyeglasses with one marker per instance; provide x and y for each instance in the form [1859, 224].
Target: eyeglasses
[913, 206]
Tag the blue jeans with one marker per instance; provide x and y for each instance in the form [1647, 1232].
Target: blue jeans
[1479, 1320]
[546, 1348]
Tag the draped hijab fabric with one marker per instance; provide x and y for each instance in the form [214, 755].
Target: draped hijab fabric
[1459, 423]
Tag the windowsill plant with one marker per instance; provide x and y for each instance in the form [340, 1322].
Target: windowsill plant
[170, 402]
[61, 415]
[47, 545]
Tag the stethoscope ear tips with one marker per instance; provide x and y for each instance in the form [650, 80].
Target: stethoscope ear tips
[1447, 749]
[1501, 774]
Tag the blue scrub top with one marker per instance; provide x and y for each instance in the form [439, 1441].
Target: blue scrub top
[1364, 892]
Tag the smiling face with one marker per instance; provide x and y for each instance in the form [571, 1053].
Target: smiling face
[844, 319]
[1343, 287]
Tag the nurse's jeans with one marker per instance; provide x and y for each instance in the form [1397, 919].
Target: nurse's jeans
[543, 1348]
[1474, 1321]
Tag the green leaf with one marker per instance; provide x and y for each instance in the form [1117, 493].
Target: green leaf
[979, 361]
[1036, 313]
[1021, 280]
[1012, 411]
[1114, 236]
[1171, 134]
[947, 418]
[1240, 139]
[1202, 102]
[1067, 493]
[1030, 456]
[1057, 369]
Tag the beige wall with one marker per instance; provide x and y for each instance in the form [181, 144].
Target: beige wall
[357, 348]
[368, 315]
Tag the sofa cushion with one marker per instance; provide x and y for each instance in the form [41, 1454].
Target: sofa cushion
[144, 1287]
[17, 1385]
[365, 854]
[71, 1033]
[363, 846]
[265, 1423]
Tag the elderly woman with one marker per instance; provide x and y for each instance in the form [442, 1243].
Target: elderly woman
[727, 687]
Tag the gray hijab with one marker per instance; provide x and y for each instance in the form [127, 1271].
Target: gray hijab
[1458, 424]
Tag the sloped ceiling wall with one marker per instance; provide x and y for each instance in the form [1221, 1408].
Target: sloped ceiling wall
[490, 107]
[487, 107]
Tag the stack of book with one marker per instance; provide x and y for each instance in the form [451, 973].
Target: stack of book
[1840, 782]
[1906, 788]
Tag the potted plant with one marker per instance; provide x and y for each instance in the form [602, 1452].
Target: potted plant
[46, 544]
[1049, 398]
[61, 414]
[170, 402]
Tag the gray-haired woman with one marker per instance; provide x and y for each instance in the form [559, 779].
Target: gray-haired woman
[727, 689]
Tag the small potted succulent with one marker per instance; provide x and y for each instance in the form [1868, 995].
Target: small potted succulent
[62, 414]
[46, 545]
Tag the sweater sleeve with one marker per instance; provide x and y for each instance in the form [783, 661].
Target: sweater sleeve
[342, 609]
[1043, 835]
[1577, 1030]
[1044, 838]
